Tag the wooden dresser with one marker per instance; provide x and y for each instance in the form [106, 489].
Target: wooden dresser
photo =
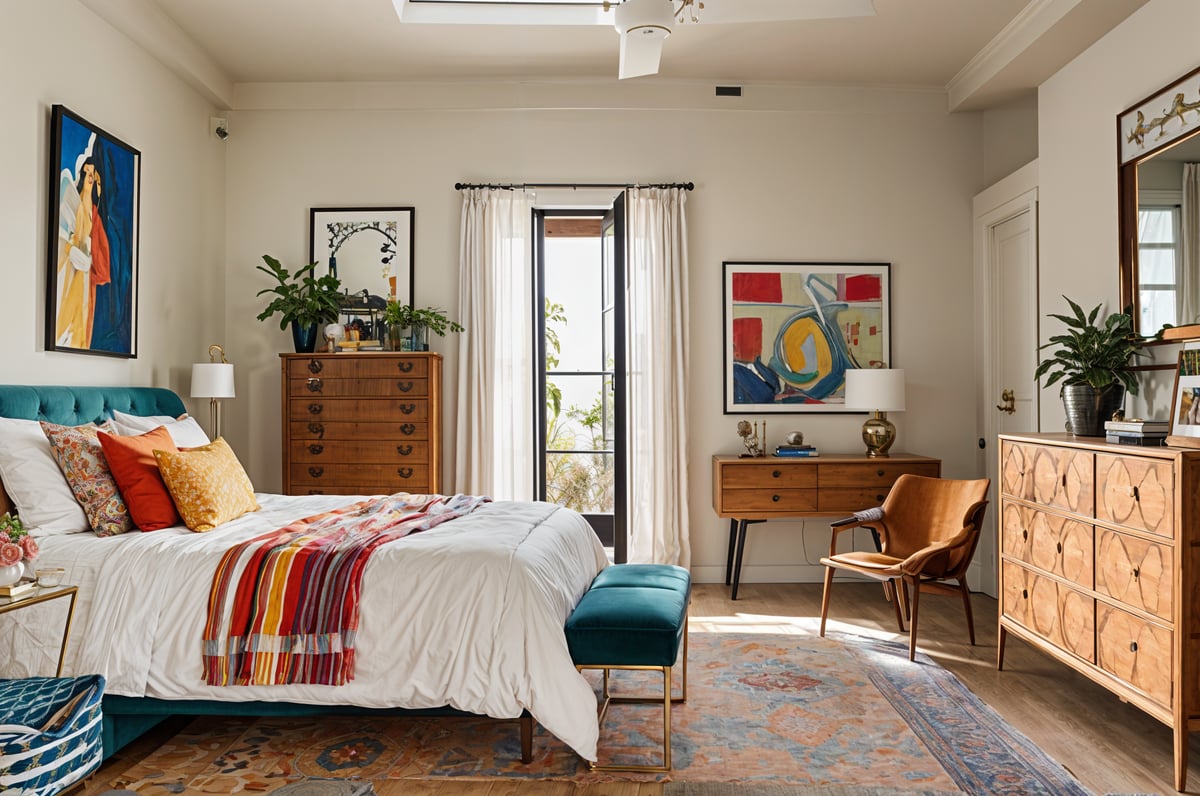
[773, 487]
[366, 423]
[1099, 566]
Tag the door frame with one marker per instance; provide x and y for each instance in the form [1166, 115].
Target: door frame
[1007, 199]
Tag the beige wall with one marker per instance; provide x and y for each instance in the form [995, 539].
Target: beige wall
[1010, 138]
[807, 174]
[56, 51]
[1077, 111]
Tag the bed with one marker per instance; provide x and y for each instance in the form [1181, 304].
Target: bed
[425, 644]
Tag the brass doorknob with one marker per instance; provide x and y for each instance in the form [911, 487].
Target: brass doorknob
[1009, 406]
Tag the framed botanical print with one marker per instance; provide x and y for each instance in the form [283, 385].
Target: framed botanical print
[367, 248]
[92, 241]
[793, 329]
[1185, 401]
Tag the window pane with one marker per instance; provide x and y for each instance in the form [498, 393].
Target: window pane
[1156, 266]
[1156, 225]
[572, 270]
[579, 423]
[1157, 307]
[581, 481]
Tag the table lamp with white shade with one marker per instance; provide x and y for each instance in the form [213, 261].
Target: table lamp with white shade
[213, 380]
[879, 391]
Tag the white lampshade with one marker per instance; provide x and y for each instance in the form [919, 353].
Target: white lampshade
[875, 389]
[212, 380]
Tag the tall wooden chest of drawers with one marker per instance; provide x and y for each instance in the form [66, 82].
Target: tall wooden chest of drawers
[362, 423]
[1100, 567]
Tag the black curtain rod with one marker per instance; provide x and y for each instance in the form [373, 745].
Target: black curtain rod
[460, 186]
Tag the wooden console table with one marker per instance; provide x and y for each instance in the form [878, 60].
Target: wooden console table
[755, 490]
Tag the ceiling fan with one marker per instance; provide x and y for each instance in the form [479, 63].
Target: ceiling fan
[642, 24]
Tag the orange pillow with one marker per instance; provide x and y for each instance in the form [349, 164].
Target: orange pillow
[132, 462]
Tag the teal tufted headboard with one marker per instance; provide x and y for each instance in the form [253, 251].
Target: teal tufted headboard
[72, 406]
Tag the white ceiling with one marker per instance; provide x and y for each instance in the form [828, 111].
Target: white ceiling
[980, 51]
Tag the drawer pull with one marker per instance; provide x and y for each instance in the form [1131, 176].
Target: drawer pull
[316, 472]
[774, 498]
[315, 366]
[776, 473]
[1064, 480]
[1133, 493]
[880, 498]
[316, 450]
[1024, 534]
[1025, 594]
[316, 409]
[404, 472]
[407, 409]
[316, 491]
[404, 450]
[1133, 646]
[405, 366]
[404, 386]
[318, 429]
[1058, 547]
[1137, 573]
[315, 385]
[407, 429]
[879, 473]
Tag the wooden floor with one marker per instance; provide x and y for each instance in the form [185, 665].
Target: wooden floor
[1109, 746]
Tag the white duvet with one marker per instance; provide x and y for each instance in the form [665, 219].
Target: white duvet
[468, 614]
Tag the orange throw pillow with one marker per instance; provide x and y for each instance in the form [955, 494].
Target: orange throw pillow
[132, 462]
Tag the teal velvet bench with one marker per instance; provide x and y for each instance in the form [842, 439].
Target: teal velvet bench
[634, 617]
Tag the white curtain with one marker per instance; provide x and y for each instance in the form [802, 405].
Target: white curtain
[1188, 295]
[495, 453]
[657, 326]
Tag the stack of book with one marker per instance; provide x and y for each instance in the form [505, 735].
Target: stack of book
[795, 450]
[21, 588]
[1136, 432]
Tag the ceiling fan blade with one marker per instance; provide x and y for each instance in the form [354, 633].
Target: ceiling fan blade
[640, 54]
[779, 10]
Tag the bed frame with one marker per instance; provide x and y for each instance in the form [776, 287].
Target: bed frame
[126, 718]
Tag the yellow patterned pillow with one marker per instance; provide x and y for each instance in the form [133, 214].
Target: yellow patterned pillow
[208, 484]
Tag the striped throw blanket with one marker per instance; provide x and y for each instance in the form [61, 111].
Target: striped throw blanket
[284, 606]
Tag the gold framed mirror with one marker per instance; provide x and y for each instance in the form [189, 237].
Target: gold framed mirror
[1160, 271]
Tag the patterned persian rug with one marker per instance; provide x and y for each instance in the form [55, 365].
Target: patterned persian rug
[783, 713]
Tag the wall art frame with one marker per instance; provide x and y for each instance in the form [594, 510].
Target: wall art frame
[793, 329]
[92, 239]
[1156, 121]
[1184, 430]
[368, 248]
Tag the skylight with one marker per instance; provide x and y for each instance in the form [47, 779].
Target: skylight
[503, 12]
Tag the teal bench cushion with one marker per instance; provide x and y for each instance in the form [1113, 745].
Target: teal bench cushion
[619, 623]
[654, 576]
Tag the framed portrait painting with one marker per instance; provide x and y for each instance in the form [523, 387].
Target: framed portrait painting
[367, 248]
[793, 329]
[1185, 401]
[92, 246]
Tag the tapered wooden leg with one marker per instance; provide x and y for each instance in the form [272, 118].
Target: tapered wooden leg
[912, 620]
[1181, 756]
[889, 589]
[825, 597]
[966, 595]
[903, 589]
[526, 738]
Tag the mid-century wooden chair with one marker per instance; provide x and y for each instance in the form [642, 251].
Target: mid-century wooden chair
[928, 529]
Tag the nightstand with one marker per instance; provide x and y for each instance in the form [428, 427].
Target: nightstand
[41, 595]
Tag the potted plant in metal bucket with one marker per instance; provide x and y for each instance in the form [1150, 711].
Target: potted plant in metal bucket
[1092, 361]
[303, 300]
[409, 326]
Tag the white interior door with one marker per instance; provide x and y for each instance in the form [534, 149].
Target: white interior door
[1006, 255]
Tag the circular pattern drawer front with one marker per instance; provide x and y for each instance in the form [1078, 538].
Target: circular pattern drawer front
[1136, 572]
[1050, 542]
[1052, 610]
[1136, 651]
[1136, 492]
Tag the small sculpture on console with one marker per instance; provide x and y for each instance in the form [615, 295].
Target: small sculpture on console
[750, 438]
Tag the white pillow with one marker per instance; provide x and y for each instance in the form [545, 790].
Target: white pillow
[34, 482]
[186, 432]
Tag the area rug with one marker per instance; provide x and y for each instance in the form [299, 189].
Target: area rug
[842, 714]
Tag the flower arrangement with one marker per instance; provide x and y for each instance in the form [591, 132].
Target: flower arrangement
[16, 545]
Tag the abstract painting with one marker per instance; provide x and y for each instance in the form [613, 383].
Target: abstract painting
[368, 248]
[793, 329]
[92, 251]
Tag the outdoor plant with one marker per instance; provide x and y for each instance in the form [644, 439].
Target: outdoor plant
[407, 316]
[301, 297]
[16, 544]
[1091, 354]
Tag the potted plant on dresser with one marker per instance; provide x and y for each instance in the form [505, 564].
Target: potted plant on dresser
[409, 326]
[1092, 361]
[301, 299]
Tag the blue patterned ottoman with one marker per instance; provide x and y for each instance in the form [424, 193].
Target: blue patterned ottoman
[49, 733]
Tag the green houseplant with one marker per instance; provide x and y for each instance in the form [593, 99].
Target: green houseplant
[419, 321]
[301, 299]
[1092, 362]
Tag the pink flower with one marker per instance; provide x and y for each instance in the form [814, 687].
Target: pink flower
[9, 554]
[30, 546]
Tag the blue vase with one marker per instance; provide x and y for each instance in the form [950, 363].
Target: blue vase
[304, 338]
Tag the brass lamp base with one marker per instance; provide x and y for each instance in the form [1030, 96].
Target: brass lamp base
[879, 434]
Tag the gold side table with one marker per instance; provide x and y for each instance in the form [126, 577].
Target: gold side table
[41, 595]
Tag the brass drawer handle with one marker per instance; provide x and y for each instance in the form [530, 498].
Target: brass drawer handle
[1137, 573]
[405, 365]
[315, 385]
[318, 429]
[404, 450]
[315, 366]
[408, 429]
[404, 386]
[1133, 646]
[316, 409]
[774, 498]
[407, 409]
[776, 473]
[316, 450]
[404, 472]
[1133, 493]
[316, 472]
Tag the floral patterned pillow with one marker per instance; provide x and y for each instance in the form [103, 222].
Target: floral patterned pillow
[81, 459]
